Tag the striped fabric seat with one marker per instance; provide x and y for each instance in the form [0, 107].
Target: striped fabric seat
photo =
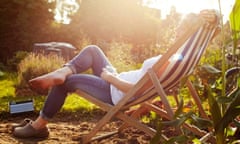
[191, 52]
[169, 71]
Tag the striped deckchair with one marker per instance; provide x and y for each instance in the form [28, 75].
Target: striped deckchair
[164, 75]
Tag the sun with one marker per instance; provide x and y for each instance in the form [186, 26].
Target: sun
[193, 6]
[182, 6]
[189, 6]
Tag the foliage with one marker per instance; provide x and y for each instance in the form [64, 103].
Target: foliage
[235, 20]
[182, 135]
[2, 67]
[1, 74]
[120, 56]
[212, 56]
[7, 90]
[223, 120]
[74, 103]
[166, 31]
[14, 61]
[122, 20]
[21, 24]
[235, 27]
[223, 108]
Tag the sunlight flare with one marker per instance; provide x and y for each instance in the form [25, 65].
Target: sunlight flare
[64, 8]
[189, 6]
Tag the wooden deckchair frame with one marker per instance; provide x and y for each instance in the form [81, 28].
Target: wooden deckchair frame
[138, 89]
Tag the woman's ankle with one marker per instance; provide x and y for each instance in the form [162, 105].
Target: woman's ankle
[39, 123]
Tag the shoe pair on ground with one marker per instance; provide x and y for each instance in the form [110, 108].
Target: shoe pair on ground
[25, 130]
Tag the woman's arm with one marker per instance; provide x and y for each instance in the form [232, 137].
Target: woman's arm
[120, 84]
[212, 16]
[125, 86]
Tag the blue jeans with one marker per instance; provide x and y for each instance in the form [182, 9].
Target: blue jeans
[91, 57]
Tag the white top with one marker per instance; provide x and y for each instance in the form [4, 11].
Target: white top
[133, 77]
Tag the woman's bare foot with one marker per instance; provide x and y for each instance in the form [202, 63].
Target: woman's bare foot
[46, 81]
[51, 79]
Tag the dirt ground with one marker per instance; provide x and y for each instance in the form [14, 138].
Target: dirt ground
[67, 128]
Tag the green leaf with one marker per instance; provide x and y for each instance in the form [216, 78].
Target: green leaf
[224, 99]
[235, 16]
[231, 113]
[179, 121]
[179, 109]
[158, 136]
[214, 108]
[196, 141]
[235, 19]
[210, 69]
[201, 122]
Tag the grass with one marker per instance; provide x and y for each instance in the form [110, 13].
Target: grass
[6, 94]
[73, 102]
[7, 90]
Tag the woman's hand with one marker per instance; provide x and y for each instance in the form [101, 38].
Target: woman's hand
[111, 77]
[106, 74]
[209, 15]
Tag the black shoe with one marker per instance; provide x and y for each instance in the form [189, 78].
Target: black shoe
[29, 132]
[21, 124]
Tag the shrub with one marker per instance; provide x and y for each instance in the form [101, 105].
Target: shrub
[35, 65]
[2, 67]
[120, 56]
[18, 57]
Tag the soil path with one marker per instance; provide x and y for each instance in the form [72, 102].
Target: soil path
[66, 128]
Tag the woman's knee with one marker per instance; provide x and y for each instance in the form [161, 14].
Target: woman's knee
[92, 48]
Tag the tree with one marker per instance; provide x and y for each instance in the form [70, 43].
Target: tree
[21, 24]
[120, 20]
